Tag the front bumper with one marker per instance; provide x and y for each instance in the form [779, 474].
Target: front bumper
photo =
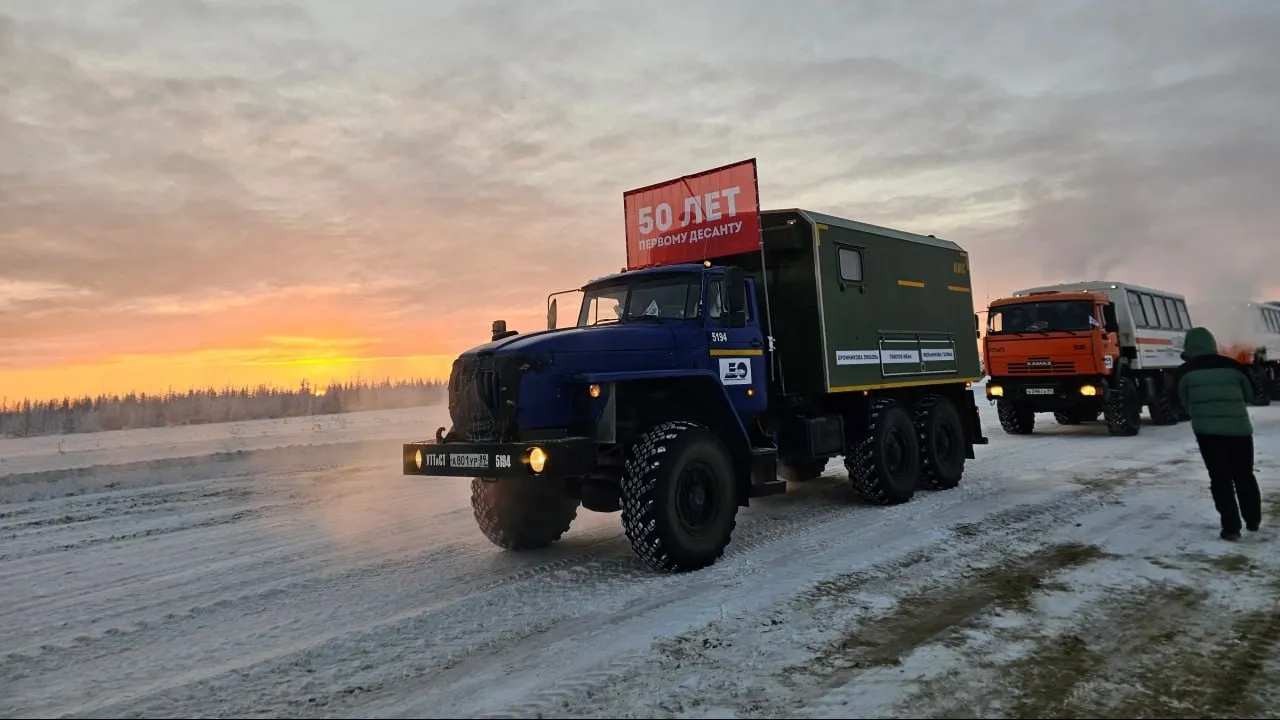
[564, 457]
[1047, 391]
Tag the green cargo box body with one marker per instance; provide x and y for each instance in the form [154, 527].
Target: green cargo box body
[899, 313]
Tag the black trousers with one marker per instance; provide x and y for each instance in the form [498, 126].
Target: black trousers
[1229, 460]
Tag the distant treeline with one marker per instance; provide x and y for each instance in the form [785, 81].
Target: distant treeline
[197, 407]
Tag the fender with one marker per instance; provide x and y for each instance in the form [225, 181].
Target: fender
[730, 427]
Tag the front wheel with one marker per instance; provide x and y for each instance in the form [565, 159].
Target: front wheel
[522, 513]
[679, 497]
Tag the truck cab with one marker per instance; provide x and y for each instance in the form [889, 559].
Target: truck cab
[692, 307]
[668, 358]
[1050, 351]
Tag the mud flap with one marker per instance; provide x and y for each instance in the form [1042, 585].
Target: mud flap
[975, 435]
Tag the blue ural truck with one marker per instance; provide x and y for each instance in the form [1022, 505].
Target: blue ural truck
[686, 389]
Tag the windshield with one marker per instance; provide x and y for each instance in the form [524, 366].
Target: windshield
[1052, 316]
[662, 298]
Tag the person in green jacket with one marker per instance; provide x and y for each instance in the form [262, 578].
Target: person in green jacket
[1215, 390]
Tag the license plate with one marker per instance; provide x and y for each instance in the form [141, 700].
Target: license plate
[469, 460]
[1039, 391]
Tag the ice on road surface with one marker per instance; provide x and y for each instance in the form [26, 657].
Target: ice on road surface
[288, 569]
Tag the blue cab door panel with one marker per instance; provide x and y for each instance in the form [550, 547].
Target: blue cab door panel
[738, 354]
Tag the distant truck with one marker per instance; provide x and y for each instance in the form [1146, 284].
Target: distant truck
[737, 346]
[1081, 350]
[1250, 333]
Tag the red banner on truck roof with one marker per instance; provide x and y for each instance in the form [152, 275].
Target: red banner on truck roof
[693, 218]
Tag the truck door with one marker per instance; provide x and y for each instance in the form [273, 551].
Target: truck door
[736, 342]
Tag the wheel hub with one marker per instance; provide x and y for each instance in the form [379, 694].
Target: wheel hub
[696, 501]
[945, 443]
[895, 454]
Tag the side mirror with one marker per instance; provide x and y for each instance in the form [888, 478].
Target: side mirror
[735, 289]
[551, 314]
[977, 326]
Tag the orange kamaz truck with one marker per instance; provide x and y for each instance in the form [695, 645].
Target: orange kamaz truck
[1085, 350]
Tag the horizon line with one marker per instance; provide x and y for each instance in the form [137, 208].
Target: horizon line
[8, 404]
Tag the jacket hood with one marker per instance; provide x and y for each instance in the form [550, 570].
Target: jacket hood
[1199, 342]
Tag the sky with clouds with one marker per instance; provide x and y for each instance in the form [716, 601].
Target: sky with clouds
[230, 191]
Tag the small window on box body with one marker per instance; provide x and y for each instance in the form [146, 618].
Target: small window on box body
[850, 264]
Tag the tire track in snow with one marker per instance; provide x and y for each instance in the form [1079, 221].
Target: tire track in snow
[591, 694]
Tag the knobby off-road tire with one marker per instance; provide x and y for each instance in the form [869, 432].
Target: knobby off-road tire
[942, 443]
[1262, 390]
[800, 470]
[1067, 417]
[1123, 410]
[1015, 420]
[1162, 408]
[520, 513]
[679, 497]
[884, 465]
[1183, 415]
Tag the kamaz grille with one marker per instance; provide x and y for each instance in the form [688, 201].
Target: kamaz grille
[1042, 367]
[481, 399]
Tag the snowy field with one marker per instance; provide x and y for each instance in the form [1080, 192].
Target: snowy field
[287, 569]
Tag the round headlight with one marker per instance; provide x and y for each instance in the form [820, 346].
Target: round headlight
[537, 459]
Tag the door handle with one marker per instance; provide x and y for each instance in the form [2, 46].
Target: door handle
[755, 342]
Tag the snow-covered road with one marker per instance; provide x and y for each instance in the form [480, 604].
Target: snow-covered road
[248, 571]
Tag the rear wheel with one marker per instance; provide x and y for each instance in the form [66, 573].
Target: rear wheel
[1161, 408]
[884, 464]
[800, 470]
[1123, 410]
[1015, 419]
[1067, 417]
[522, 513]
[942, 443]
[679, 497]
[1262, 386]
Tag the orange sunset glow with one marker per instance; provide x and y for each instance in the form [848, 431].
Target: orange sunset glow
[198, 194]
